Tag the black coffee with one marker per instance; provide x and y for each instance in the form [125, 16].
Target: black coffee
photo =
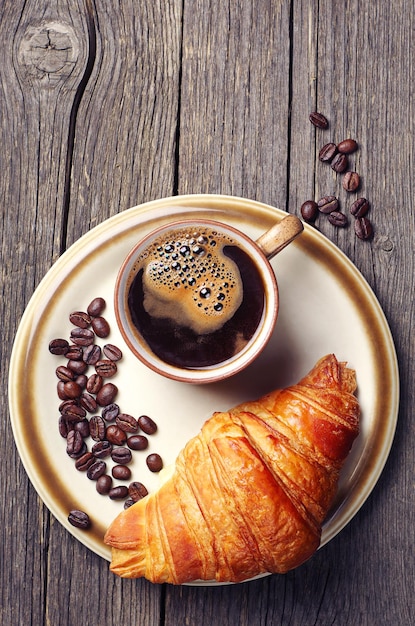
[196, 297]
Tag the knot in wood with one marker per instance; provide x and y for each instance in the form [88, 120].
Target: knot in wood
[49, 52]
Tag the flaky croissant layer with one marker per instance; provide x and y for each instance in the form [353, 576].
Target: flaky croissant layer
[249, 493]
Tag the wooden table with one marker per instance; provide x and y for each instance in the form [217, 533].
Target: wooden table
[105, 105]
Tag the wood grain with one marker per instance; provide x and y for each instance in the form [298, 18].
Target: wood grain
[105, 105]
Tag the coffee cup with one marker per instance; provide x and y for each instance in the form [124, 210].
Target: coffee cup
[197, 300]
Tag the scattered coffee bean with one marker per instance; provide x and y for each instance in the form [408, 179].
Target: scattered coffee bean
[154, 462]
[110, 412]
[137, 491]
[147, 425]
[351, 181]
[82, 427]
[363, 228]
[327, 152]
[96, 470]
[96, 307]
[80, 319]
[64, 373]
[337, 218]
[94, 383]
[118, 493]
[359, 207]
[64, 427]
[82, 336]
[76, 455]
[340, 163]
[100, 326]
[77, 367]
[347, 146]
[309, 210]
[121, 455]
[81, 379]
[97, 428]
[112, 352]
[106, 395]
[319, 120]
[73, 413]
[104, 484]
[137, 442]
[74, 353]
[59, 347]
[60, 388]
[102, 449]
[115, 435]
[106, 368]
[129, 502]
[74, 442]
[88, 402]
[84, 462]
[92, 354]
[72, 389]
[79, 519]
[127, 423]
[121, 472]
[328, 204]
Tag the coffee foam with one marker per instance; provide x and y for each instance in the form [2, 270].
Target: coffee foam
[188, 278]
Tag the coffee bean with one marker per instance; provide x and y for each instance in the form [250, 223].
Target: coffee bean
[82, 336]
[88, 402]
[137, 442]
[74, 353]
[64, 373]
[92, 354]
[60, 388]
[112, 352]
[121, 455]
[118, 493]
[102, 449]
[327, 152]
[94, 383]
[96, 470]
[154, 462]
[319, 120]
[84, 462]
[64, 427]
[351, 181]
[110, 412]
[72, 389]
[328, 204]
[347, 146]
[340, 163]
[74, 442]
[59, 347]
[129, 502]
[337, 218]
[82, 427]
[115, 435]
[359, 207]
[96, 307]
[137, 491]
[73, 412]
[309, 210]
[77, 367]
[121, 472]
[106, 395]
[147, 425]
[363, 228]
[100, 326]
[97, 428]
[66, 404]
[81, 380]
[79, 519]
[76, 455]
[104, 484]
[106, 368]
[127, 423]
[80, 319]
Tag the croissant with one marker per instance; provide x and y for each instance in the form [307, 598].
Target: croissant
[249, 493]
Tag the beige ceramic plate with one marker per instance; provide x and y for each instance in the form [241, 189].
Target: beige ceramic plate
[325, 306]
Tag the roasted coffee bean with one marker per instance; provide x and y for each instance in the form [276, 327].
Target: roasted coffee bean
[137, 442]
[60, 389]
[327, 152]
[328, 204]
[147, 425]
[118, 493]
[127, 423]
[347, 146]
[84, 462]
[359, 207]
[97, 469]
[101, 449]
[94, 383]
[82, 427]
[137, 491]
[92, 354]
[76, 455]
[80, 319]
[154, 462]
[65, 404]
[115, 435]
[97, 428]
[77, 367]
[96, 307]
[106, 368]
[81, 380]
[112, 352]
[82, 336]
[121, 472]
[73, 413]
[88, 402]
[106, 395]
[121, 455]
[129, 502]
[64, 427]
[104, 484]
[319, 120]
[340, 163]
[100, 326]
[337, 218]
[110, 412]
[74, 442]
[64, 373]
[72, 389]
[74, 353]
[351, 181]
[79, 519]
[59, 347]
[363, 228]
[309, 210]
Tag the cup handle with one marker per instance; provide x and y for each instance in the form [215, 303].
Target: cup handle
[280, 235]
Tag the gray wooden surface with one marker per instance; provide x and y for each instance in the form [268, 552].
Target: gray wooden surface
[104, 105]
